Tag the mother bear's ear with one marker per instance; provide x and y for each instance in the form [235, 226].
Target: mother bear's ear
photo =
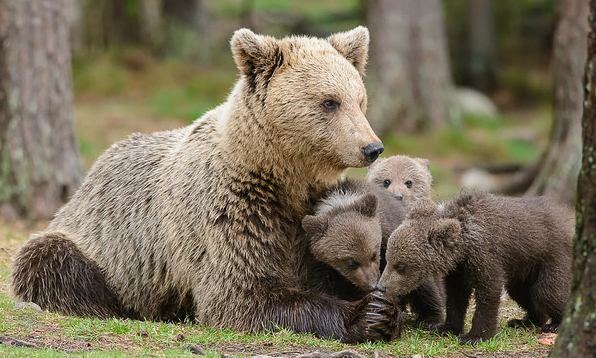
[353, 45]
[253, 53]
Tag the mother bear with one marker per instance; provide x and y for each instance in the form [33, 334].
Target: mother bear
[204, 220]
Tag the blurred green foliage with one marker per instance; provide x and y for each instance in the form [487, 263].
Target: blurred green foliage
[139, 82]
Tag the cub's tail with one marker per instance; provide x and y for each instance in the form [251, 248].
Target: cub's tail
[52, 272]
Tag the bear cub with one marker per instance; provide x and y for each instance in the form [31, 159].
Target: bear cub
[482, 242]
[348, 237]
[407, 178]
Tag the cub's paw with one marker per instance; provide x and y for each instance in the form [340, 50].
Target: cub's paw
[519, 323]
[427, 325]
[383, 319]
[430, 322]
[443, 330]
[550, 328]
[467, 338]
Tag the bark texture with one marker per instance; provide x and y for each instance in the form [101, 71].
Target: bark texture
[559, 166]
[40, 165]
[408, 78]
[577, 337]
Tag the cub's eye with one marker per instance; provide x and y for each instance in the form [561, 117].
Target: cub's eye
[330, 105]
[408, 184]
[400, 268]
[353, 264]
[386, 183]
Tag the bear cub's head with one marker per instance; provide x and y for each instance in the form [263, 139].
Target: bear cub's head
[407, 178]
[425, 245]
[349, 240]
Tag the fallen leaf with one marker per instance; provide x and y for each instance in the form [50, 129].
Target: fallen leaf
[547, 339]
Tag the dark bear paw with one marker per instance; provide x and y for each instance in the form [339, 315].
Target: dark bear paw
[444, 330]
[550, 328]
[430, 322]
[519, 323]
[468, 338]
[383, 319]
[427, 325]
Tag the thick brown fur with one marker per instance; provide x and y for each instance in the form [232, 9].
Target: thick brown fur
[205, 220]
[348, 241]
[348, 237]
[483, 242]
[407, 178]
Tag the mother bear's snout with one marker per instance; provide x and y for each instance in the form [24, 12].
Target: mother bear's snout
[372, 151]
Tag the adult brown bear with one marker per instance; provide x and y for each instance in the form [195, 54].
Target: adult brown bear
[205, 220]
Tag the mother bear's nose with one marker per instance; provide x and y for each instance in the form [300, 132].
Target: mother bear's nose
[371, 151]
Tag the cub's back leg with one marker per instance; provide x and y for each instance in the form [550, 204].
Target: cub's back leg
[552, 290]
[52, 272]
[521, 291]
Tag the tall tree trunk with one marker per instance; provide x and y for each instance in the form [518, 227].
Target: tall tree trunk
[40, 165]
[479, 70]
[577, 337]
[408, 79]
[559, 166]
[150, 23]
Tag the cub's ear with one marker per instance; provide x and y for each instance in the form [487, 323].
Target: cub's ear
[424, 162]
[353, 45]
[445, 232]
[366, 205]
[253, 53]
[315, 224]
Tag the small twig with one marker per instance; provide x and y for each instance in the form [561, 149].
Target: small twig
[9, 341]
[471, 355]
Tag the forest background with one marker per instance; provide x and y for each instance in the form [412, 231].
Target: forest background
[424, 58]
[131, 76]
[489, 91]
[468, 84]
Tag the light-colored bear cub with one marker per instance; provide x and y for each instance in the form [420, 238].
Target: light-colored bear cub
[407, 178]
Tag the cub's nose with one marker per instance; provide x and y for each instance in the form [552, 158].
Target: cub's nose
[399, 196]
[371, 151]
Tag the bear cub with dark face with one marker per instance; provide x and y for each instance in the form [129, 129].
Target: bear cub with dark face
[348, 237]
[483, 242]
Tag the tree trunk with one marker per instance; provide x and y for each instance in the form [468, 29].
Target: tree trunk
[188, 29]
[40, 165]
[408, 77]
[577, 334]
[479, 70]
[150, 23]
[560, 164]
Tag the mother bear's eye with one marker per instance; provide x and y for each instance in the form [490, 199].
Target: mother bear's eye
[330, 105]
[386, 183]
[408, 184]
